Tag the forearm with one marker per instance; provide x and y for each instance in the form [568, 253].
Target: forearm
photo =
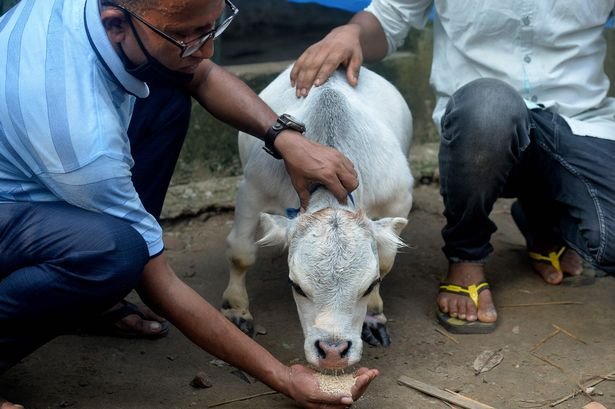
[207, 327]
[371, 36]
[232, 101]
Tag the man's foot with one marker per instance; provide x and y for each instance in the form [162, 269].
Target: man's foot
[461, 306]
[128, 320]
[570, 263]
[4, 404]
[546, 258]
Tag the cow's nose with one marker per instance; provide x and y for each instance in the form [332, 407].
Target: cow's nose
[333, 350]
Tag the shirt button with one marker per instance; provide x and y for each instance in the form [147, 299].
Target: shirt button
[526, 20]
[527, 59]
[534, 98]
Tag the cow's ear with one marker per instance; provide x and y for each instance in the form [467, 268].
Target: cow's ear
[387, 231]
[275, 230]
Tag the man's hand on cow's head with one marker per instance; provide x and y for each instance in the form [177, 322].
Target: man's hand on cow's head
[309, 163]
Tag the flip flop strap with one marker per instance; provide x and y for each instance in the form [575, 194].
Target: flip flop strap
[113, 316]
[470, 291]
[553, 257]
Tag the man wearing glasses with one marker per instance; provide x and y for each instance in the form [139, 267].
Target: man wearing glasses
[84, 171]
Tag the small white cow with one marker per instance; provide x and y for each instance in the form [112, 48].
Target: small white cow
[337, 254]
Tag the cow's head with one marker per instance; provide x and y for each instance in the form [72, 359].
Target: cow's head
[334, 264]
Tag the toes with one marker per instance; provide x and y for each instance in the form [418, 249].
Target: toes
[139, 325]
[458, 306]
[464, 309]
[150, 315]
[550, 275]
[486, 311]
[572, 263]
[470, 311]
[442, 302]
[453, 307]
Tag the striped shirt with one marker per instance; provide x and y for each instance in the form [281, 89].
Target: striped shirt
[65, 107]
[551, 51]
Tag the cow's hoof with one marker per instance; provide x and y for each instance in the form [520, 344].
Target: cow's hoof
[376, 334]
[244, 325]
[242, 321]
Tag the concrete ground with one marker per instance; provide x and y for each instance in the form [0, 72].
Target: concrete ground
[100, 372]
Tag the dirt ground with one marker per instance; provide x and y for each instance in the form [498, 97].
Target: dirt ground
[99, 372]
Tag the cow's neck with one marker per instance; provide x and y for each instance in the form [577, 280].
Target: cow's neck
[321, 199]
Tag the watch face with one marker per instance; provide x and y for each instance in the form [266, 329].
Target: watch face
[292, 122]
[290, 118]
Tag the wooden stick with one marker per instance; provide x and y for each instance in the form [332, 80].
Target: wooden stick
[446, 335]
[584, 390]
[547, 361]
[258, 395]
[545, 339]
[533, 403]
[569, 334]
[463, 397]
[451, 397]
[539, 304]
[609, 377]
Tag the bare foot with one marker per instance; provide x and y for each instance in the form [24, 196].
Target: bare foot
[8, 405]
[127, 320]
[570, 262]
[145, 323]
[460, 306]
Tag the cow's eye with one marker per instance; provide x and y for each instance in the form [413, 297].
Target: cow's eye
[371, 287]
[296, 287]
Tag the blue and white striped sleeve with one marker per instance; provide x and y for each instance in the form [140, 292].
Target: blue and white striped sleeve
[105, 186]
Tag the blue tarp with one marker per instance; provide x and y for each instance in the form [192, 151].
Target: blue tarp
[348, 5]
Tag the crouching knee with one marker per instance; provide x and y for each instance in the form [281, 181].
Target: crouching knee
[115, 256]
[484, 109]
[127, 252]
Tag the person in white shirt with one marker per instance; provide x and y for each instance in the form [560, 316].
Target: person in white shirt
[522, 110]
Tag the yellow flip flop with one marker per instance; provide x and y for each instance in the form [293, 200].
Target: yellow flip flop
[553, 257]
[587, 277]
[459, 326]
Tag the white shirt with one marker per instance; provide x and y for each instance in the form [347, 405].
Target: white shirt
[551, 51]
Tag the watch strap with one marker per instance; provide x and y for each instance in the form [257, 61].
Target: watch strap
[284, 121]
[270, 136]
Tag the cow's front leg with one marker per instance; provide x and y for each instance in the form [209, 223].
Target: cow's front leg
[375, 331]
[241, 255]
[235, 301]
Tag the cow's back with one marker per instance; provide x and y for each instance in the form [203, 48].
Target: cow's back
[370, 123]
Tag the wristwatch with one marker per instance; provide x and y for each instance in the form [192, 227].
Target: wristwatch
[284, 121]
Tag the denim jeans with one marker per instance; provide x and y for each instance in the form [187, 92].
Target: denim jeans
[493, 146]
[61, 265]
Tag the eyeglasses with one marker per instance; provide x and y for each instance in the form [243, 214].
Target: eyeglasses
[189, 47]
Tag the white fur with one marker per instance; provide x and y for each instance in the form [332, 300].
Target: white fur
[335, 252]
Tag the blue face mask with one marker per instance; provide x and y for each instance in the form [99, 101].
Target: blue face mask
[152, 71]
